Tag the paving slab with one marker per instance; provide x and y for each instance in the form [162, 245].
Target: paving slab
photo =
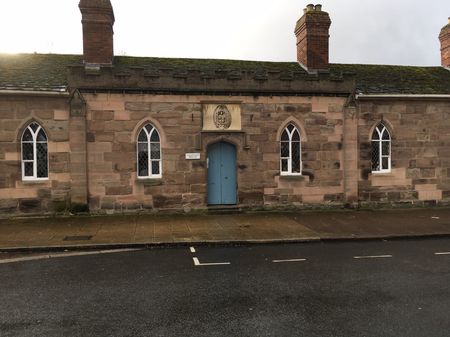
[143, 230]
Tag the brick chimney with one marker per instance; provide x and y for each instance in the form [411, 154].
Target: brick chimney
[312, 32]
[444, 37]
[98, 21]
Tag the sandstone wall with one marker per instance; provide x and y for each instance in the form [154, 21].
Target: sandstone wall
[113, 121]
[52, 195]
[420, 152]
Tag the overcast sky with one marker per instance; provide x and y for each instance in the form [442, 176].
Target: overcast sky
[362, 31]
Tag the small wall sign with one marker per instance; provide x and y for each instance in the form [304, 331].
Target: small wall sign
[192, 156]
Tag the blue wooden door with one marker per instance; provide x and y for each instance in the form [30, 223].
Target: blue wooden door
[222, 174]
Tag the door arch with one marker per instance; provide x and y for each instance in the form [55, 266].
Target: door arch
[222, 176]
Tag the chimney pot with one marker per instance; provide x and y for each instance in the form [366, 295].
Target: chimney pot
[310, 8]
[318, 8]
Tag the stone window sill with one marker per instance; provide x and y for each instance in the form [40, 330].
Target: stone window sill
[150, 181]
[35, 182]
[292, 177]
[382, 174]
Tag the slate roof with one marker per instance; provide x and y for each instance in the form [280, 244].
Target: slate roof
[49, 72]
[388, 79]
[40, 72]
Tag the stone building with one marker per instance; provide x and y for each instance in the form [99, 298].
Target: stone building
[109, 133]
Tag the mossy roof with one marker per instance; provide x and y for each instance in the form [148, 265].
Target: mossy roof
[49, 72]
[390, 79]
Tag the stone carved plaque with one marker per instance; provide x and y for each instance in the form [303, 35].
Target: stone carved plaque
[221, 117]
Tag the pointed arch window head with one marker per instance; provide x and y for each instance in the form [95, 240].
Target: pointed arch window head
[149, 153]
[34, 153]
[381, 149]
[290, 151]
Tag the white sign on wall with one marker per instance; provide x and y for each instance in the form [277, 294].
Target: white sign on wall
[192, 156]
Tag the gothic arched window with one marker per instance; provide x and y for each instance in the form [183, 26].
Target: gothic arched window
[290, 151]
[34, 153]
[381, 149]
[149, 153]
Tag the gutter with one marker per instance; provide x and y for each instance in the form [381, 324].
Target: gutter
[34, 93]
[213, 92]
[403, 96]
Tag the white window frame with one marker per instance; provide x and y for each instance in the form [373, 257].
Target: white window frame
[380, 149]
[289, 158]
[34, 134]
[149, 146]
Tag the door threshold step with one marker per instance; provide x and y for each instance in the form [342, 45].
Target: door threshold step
[224, 209]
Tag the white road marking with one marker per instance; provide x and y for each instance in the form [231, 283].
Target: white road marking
[288, 260]
[60, 255]
[442, 253]
[192, 250]
[372, 257]
[197, 263]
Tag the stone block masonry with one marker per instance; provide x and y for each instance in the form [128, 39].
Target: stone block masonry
[117, 119]
[420, 156]
[45, 196]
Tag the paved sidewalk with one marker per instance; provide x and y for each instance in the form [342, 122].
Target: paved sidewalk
[145, 230]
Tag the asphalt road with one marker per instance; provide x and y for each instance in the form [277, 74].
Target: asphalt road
[387, 288]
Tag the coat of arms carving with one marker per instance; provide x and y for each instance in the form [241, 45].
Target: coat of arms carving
[222, 117]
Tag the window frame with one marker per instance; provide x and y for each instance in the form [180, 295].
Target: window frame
[289, 158]
[34, 142]
[149, 143]
[380, 141]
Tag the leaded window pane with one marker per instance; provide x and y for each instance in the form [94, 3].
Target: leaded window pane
[385, 161]
[296, 136]
[284, 165]
[290, 150]
[143, 163]
[149, 163]
[42, 160]
[41, 137]
[284, 149]
[28, 168]
[34, 127]
[155, 136]
[375, 135]
[27, 136]
[295, 157]
[381, 149]
[385, 148]
[155, 151]
[149, 128]
[142, 147]
[375, 156]
[34, 152]
[155, 166]
[27, 151]
[142, 136]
